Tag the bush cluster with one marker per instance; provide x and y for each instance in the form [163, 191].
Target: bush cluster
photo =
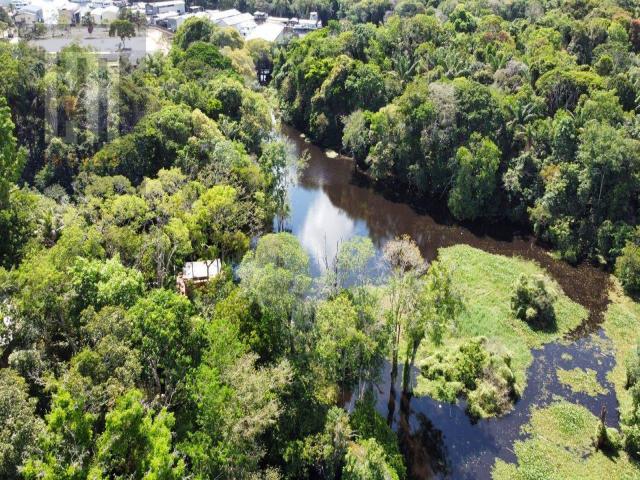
[532, 303]
[473, 371]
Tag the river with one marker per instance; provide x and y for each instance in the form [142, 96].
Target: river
[330, 203]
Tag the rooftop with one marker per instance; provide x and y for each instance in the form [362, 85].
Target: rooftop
[237, 19]
[35, 9]
[167, 3]
[266, 31]
[220, 14]
[201, 270]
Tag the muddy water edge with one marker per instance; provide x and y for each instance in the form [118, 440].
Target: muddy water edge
[329, 202]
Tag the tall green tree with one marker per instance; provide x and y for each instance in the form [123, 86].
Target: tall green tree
[276, 276]
[65, 447]
[170, 338]
[345, 350]
[217, 222]
[11, 157]
[366, 460]
[475, 184]
[123, 29]
[406, 267]
[20, 427]
[235, 402]
[136, 443]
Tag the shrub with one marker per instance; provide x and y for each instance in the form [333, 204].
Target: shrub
[532, 303]
[471, 370]
[631, 420]
[633, 368]
[483, 401]
[631, 432]
[628, 268]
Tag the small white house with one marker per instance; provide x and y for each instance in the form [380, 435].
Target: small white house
[197, 273]
[233, 20]
[110, 13]
[173, 22]
[70, 13]
[29, 15]
[105, 15]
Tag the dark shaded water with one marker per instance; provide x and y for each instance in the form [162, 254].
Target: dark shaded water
[329, 203]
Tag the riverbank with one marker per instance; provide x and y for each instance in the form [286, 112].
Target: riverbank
[329, 203]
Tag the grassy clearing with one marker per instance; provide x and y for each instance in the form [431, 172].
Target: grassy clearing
[582, 381]
[561, 447]
[485, 282]
[622, 327]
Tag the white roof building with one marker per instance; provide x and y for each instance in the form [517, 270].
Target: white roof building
[197, 273]
[233, 20]
[52, 10]
[172, 22]
[29, 15]
[104, 15]
[243, 23]
[201, 270]
[157, 8]
[217, 15]
[271, 32]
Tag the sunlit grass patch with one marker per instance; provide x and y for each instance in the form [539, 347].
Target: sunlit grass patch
[486, 282]
[560, 446]
[567, 357]
[622, 326]
[582, 381]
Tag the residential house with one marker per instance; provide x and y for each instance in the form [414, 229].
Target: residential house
[29, 15]
[195, 274]
[105, 15]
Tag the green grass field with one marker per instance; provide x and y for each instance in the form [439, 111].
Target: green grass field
[560, 446]
[485, 282]
[622, 327]
[581, 381]
[561, 436]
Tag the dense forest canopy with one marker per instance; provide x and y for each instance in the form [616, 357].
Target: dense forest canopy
[113, 176]
[524, 111]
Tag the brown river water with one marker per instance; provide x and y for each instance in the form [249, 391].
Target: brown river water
[329, 202]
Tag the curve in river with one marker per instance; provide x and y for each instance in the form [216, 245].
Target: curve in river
[330, 203]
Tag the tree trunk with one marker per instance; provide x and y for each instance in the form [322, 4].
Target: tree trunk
[394, 358]
[408, 367]
[394, 366]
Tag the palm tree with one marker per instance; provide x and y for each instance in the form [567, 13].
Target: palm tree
[521, 122]
[404, 66]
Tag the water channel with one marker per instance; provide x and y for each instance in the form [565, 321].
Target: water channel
[330, 203]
